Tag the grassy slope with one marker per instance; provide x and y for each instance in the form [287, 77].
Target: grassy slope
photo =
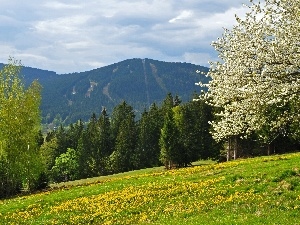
[263, 190]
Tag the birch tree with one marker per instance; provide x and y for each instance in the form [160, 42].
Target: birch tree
[19, 127]
[258, 73]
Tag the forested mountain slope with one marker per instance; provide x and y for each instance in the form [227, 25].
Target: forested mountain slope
[140, 82]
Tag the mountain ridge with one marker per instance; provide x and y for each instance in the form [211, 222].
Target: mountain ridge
[139, 82]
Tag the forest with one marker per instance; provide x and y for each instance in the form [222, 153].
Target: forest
[171, 134]
[165, 135]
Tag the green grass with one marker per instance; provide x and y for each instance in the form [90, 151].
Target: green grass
[264, 190]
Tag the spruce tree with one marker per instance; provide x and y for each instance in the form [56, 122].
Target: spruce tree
[91, 146]
[61, 136]
[196, 136]
[167, 104]
[73, 134]
[120, 113]
[169, 142]
[148, 150]
[105, 142]
[122, 158]
[82, 157]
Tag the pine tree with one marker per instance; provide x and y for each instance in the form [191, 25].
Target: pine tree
[196, 131]
[73, 134]
[61, 137]
[91, 147]
[167, 104]
[148, 150]
[122, 158]
[120, 113]
[82, 157]
[176, 101]
[169, 142]
[105, 142]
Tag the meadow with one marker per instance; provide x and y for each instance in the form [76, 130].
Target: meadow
[262, 190]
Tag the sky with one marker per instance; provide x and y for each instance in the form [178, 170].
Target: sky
[74, 36]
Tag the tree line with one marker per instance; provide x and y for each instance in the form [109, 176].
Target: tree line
[172, 134]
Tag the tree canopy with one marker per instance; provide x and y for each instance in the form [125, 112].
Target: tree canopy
[256, 81]
[20, 164]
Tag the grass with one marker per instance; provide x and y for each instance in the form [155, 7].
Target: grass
[264, 190]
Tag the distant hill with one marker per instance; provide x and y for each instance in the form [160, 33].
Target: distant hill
[140, 82]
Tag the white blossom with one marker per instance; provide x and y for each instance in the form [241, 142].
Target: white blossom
[258, 71]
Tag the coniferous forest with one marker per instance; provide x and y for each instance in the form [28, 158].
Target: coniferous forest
[171, 134]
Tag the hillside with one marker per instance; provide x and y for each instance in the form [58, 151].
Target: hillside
[264, 190]
[140, 82]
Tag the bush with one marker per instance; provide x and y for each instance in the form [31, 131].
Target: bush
[66, 167]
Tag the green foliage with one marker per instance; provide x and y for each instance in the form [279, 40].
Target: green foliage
[91, 145]
[122, 158]
[8, 185]
[197, 130]
[167, 104]
[82, 157]
[105, 142]
[65, 167]
[119, 114]
[121, 143]
[49, 151]
[19, 130]
[170, 154]
[186, 132]
[148, 150]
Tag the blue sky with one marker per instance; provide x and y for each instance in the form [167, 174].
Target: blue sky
[74, 36]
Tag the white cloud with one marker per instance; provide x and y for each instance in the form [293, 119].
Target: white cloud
[184, 15]
[63, 25]
[61, 6]
[68, 36]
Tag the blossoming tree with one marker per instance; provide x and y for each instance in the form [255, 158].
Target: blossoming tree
[256, 80]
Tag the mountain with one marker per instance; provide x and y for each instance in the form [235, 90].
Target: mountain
[140, 82]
